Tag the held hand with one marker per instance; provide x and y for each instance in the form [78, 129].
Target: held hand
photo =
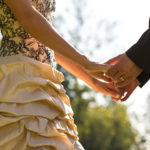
[87, 77]
[106, 88]
[123, 70]
[94, 67]
[97, 70]
[128, 90]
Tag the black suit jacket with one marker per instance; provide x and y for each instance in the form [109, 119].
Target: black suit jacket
[139, 53]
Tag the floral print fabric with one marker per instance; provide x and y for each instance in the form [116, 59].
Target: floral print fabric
[17, 41]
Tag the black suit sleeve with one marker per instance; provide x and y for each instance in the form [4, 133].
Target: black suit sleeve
[143, 78]
[139, 53]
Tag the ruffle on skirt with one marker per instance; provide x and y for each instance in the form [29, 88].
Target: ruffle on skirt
[35, 112]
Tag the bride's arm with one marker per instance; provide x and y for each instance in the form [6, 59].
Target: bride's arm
[35, 24]
[79, 72]
[67, 56]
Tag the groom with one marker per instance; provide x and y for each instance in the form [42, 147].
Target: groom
[132, 68]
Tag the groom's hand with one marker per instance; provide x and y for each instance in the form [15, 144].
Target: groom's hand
[123, 71]
[127, 90]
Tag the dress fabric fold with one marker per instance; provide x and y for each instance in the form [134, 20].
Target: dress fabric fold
[35, 112]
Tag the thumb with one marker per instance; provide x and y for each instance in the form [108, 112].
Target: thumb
[113, 60]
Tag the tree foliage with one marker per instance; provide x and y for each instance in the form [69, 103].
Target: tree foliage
[108, 128]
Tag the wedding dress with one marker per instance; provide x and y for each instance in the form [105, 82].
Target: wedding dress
[35, 112]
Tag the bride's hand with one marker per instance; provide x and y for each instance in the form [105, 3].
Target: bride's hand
[85, 74]
[98, 70]
[106, 88]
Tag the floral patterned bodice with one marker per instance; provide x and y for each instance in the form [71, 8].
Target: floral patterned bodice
[17, 41]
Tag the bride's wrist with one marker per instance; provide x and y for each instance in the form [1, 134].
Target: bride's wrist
[84, 62]
[91, 81]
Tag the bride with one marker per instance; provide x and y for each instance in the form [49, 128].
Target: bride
[35, 112]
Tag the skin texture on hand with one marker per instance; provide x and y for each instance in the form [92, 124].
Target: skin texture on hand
[123, 71]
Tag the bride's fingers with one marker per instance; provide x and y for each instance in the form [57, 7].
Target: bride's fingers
[99, 68]
[113, 93]
[124, 95]
[105, 67]
[109, 89]
[106, 88]
[101, 76]
[115, 99]
[124, 82]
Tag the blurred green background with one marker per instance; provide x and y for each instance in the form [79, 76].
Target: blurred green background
[102, 124]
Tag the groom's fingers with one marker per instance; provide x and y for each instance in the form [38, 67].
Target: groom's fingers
[113, 60]
[117, 74]
[112, 72]
[124, 82]
[101, 76]
[128, 90]
[126, 96]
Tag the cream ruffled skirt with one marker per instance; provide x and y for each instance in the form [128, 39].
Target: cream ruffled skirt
[35, 112]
